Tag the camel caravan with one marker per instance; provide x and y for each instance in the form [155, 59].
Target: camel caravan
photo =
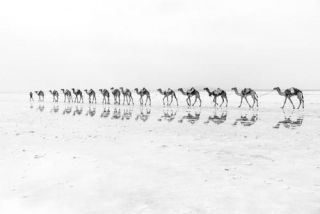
[76, 96]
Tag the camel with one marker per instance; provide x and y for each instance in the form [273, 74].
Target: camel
[116, 95]
[142, 93]
[290, 92]
[31, 96]
[247, 92]
[166, 94]
[91, 95]
[55, 95]
[67, 95]
[105, 94]
[217, 93]
[191, 92]
[40, 95]
[127, 95]
[77, 93]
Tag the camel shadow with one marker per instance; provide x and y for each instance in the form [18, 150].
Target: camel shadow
[144, 114]
[105, 113]
[191, 117]
[127, 114]
[41, 107]
[292, 120]
[217, 118]
[116, 114]
[67, 110]
[169, 114]
[78, 111]
[55, 109]
[247, 119]
[91, 111]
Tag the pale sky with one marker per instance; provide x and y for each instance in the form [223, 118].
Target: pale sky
[159, 43]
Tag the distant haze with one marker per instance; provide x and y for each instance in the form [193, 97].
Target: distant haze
[161, 43]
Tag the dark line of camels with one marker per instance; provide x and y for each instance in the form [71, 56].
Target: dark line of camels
[76, 95]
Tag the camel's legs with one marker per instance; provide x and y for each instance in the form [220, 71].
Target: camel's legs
[222, 101]
[176, 99]
[254, 100]
[301, 100]
[291, 102]
[187, 100]
[148, 98]
[248, 101]
[241, 101]
[215, 101]
[173, 96]
[163, 100]
[285, 101]
[195, 100]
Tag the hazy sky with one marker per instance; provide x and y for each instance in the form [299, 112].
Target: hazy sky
[159, 43]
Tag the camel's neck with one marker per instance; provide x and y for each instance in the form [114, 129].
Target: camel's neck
[237, 92]
[161, 92]
[280, 92]
[207, 90]
[183, 92]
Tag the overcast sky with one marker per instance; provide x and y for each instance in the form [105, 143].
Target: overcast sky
[159, 43]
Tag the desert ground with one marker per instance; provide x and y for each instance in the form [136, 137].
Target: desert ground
[96, 159]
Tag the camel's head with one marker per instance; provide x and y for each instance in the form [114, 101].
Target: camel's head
[136, 89]
[100, 90]
[121, 88]
[85, 90]
[112, 88]
[206, 89]
[276, 88]
[234, 89]
[159, 89]
[72, 89]
[180, 89]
